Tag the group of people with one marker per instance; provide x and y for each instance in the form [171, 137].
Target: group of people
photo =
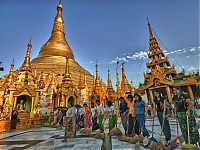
[133, 112]
[182, 112]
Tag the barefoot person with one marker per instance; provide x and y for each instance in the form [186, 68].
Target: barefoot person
[110, 111]
[13, 122]
[141, 112]
[100, 115]
[70, 127]
[183, 108]
[87, 116]
[133, 126]
[160, 104]
[123, 109]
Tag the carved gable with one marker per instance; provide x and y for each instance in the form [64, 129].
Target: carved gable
[26, 89]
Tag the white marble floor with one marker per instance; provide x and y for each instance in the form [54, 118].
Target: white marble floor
[45, 138]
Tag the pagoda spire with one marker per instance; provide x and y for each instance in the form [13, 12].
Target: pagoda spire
[118, 81]
[67, 78]
[10, 75]
[26, 66]
[125, 85]
[109, 82]
[97, 79]
[124, 79]
[110, 90]
[156, 53]
[57, 44]
[150, 29]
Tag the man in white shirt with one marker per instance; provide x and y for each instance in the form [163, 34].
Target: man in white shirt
[100, 114]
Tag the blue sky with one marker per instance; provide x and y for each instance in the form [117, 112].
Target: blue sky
[103, 30]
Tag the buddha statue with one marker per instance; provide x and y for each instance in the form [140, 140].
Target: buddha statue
[21, 106]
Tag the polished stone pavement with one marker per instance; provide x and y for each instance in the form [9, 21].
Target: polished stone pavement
[46, 138]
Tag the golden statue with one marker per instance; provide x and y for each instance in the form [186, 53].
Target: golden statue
[21, 106]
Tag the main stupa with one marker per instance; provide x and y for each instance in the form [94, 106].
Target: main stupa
[53, 54]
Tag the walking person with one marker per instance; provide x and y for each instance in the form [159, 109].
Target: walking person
[123, 109]
[141, 112]
[64, 111]
[80, 116]
[87, 116]
[13, 122]
[100, 115]
[183, 108]
[133, 125]
[110, 111]
[70, 128]
[94, 117]
[160, 104]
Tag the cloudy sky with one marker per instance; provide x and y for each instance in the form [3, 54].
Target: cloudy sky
[104, 30]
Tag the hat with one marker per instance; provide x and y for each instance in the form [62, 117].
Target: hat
[130, 96]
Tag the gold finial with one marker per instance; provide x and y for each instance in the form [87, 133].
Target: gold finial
[150, 29]
[59, 13]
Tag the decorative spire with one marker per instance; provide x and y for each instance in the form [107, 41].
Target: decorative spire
[125, 84]
[26, 66]
[109, 84]
[118, 81]
[150, 29]
[57, 44]
[156, 53]
[97, 80]
[67, 79]
[124, 79]
[59, 17]
[10, 75]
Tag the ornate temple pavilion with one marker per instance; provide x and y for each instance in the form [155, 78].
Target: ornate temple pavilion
[163, 76]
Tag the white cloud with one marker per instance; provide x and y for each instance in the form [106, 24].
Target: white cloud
[184, 50]
[130, 56]
[143, 55]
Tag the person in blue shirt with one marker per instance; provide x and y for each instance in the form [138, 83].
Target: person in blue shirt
[123, 108]
[141, 111]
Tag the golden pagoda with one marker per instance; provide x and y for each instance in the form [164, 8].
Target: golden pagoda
[66, 92]
[124, 83]
[110, 90]
[163, 76]
[98, 91]
[53, 54]
[49, 80]
[20, 91]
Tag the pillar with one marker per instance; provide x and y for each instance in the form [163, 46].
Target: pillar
[168, 94]
[151, 95]
[53, 105]
[32, 103]
[15, 102]
[190, 92]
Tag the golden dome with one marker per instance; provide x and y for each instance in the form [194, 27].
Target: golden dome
[52, 55]
[57, 44]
